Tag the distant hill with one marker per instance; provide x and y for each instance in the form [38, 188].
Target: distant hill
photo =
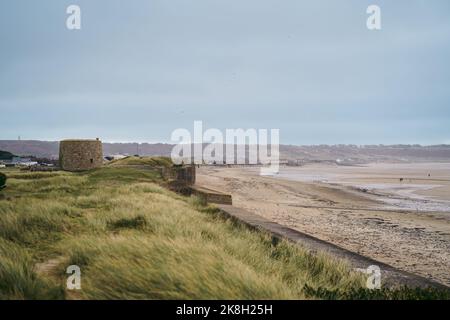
[368, 153]
[345, 154]
[50, 149]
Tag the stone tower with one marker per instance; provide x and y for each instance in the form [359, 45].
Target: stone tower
[80, 155]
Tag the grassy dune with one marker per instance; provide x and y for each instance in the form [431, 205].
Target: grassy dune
[150, 161]
[133, 239]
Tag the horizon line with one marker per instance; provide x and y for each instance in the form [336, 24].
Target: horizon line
[281, 144]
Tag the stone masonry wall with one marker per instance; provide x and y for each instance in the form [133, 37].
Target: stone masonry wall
[80, 155]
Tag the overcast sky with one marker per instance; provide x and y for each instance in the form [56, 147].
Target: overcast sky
[137, 70]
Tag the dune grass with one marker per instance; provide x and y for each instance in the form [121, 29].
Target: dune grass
[149, 161]
[133, 239]
[18, 280]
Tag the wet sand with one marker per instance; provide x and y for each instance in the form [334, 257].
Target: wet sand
[364, 209]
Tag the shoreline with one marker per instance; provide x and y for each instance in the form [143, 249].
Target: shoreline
[413, 241]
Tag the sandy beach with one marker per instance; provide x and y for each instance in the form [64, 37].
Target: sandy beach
[395, 213]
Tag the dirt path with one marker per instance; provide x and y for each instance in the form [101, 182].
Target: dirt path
[418, 242]
[49, 269]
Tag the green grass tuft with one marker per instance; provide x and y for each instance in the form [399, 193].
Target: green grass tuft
[138, 222]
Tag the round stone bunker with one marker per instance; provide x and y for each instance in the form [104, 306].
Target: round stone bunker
[80, 155]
